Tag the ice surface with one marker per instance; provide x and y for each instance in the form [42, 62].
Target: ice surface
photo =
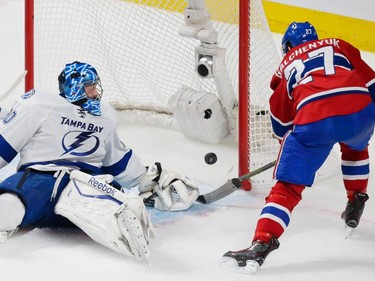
[189, 245]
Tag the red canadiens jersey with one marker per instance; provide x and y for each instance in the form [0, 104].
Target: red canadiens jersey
[319, 79]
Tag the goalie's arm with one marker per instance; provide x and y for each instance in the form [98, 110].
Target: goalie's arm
[121, 162]
[18, 127]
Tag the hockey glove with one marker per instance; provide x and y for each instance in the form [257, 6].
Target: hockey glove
[167, 190]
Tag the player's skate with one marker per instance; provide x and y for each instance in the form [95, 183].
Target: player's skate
[353, 212]
[249, 260]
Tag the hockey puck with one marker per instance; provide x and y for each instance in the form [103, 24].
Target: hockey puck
[236, 183]
[210, 158]
[207, 113]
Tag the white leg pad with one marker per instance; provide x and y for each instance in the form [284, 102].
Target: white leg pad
[12, 212]
[121, 224]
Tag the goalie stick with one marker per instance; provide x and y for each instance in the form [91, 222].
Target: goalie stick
[230, 186]
[15, 84]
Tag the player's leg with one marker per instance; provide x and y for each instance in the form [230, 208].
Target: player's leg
[355, 164]
[275, 215]
[31, 192]
[273, 221]
[12, 205]
[300, 158]
[302, 153]
[355, 170]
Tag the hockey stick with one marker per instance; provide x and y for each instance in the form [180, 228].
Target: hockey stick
[230, 186]
[15, 84]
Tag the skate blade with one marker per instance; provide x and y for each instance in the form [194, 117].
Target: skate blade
[231, 264]
[348, 231]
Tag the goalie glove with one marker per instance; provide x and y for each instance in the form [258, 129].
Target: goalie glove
[167, 190]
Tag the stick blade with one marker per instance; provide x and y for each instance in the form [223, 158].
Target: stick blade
[201, 199]
[227, 188]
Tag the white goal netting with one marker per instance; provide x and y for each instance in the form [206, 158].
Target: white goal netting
[143, 61]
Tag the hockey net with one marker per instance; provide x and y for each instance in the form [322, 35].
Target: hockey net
[144, 61]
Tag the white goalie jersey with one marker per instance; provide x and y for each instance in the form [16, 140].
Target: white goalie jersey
[52, 134]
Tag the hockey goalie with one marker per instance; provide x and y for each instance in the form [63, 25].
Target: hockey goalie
[73, 168]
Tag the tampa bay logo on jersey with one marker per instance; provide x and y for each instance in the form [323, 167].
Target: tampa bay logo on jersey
[80, 125]
[80, 143]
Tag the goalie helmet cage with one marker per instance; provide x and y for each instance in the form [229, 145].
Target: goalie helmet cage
[143, 60]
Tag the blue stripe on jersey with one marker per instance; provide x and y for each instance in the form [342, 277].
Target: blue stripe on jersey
[280, 129]
[371, 88]
[355, 170]
[7, 152]
[340, 60]
[118, 167]
[332, 93]
[277, 212]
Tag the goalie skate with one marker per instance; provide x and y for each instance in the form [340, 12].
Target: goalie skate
[132, 230]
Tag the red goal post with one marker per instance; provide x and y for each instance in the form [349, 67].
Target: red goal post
[144, 59]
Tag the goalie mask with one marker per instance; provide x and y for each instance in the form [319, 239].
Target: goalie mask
[74, 81]
[297, 34]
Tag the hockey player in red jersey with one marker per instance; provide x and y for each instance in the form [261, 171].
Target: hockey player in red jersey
[324, 94]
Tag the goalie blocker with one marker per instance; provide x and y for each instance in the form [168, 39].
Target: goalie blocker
[110, 217]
